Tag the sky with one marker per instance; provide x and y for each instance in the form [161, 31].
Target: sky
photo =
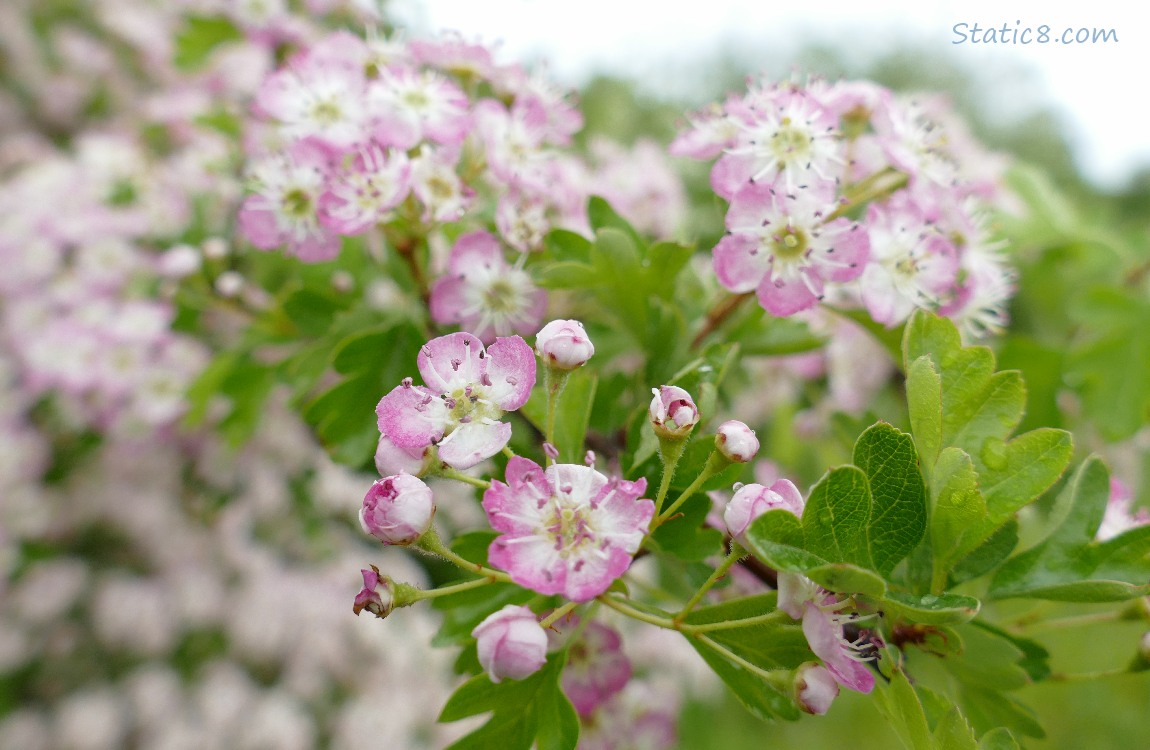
[1099, 89]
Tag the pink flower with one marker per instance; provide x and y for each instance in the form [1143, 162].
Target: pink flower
[753, 500]
[780, 245]
[567, 530]
[736, 441]
[912, 263]
[483, 294]
[284, 209]
[815, 688]
[1119, 517]
[596, 668]
[823, 627]
[375, 596]
[363, 192]
[410, 106]
[673, 412]
[511, 643]
[564, 344]
[397, 510]
[468, 389]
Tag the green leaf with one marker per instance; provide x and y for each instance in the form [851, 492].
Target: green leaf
[1029, 465]
[603, 216]
[522, 711]
[960, 521]
[777, 538]
[989, 660]
[761, 334]
[848, 579]
[1110, 365]
[989, 709]
[1070, 565]
[899, 703]
[999, 738]
[364, 351]
[763, 699]
[688, 537]
[930, 609]
[924, 398]
[898, 499]
[987, 556]
[199, 36]
[836, 517]
[572, 413]
[953, 733]
[664, 262]
[311, 312]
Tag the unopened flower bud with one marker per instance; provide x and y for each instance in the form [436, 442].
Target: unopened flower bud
[564, 344]
[736, 441]
[550, 451]
[753, 500]
[376, 595]
[397, 510]
[229, 284]
[511, 643]
[815, 688]
[673, 412]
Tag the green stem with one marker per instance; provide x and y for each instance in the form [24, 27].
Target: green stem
[777, 615]
[558, 614]
[508, 452]
[1086, 676]
[638, 614]
[715, 463]
[430, 542]
[716, 574]
[718, 314]
[670, 451]
[938, 579]
[777, 677]
[452, 589]
[553, 382]
[465, 478]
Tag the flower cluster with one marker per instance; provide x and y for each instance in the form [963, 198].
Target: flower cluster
[847, 193]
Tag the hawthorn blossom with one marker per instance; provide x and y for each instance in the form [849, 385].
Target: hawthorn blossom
[511, 643]
[411, 106]
[672, 412]
[283, 210]
[736, 442]
[753, 500]
[912, 263]
[363, 192]
[822, 620]
[397, 510]
[781, 246]
[468, 389]
[564, 344]
[787, 138]
[371, 596]
[596, 669]
[815, 689]
[482, 293]
[565, 530]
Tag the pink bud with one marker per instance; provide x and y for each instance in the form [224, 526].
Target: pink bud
[815, 688]
[550, 451]
[511, 643]
[375, 596]
[673, 412]
[753, 500]
[397, 510]
[736, 441]
[564, 344]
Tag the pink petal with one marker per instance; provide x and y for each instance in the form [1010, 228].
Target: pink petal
[448, 300]
[511, 369]
[470, 443]
[450, 363]
[258, 223]
[412, 417]
[532, 562]
[730, 173]
[739, 262]
[473, 250]
[783, 298]
[851, 250]
[826, 640]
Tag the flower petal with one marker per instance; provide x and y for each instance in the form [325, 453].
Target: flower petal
[413, 417]
[452, 362]
[511, 369]
[470, 443]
